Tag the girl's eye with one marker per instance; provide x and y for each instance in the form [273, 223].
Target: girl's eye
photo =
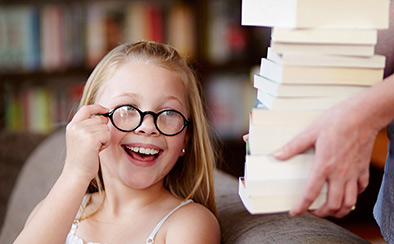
[169, 113]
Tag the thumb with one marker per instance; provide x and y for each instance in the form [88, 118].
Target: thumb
[297, 145]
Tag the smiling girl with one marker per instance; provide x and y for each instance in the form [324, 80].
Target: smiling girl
[139, 164]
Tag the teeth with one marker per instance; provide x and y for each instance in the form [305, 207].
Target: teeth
[142, 150]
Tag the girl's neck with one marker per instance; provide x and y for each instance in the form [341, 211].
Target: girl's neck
[123, 200]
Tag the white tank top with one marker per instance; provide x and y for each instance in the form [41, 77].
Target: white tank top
[74, 239]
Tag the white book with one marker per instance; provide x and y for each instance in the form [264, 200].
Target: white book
[347, 14]
[273, 203]
[266, 175]
[326, 60]
[295, 74]
[304, 90]
[263, 116]
[267, 167]
[298, 103]
[268, 138]
[326, 36]
[318, 48]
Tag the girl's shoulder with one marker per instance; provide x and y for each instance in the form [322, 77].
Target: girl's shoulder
[193, 223]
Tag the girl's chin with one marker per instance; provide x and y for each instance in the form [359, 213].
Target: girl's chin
[141, 182]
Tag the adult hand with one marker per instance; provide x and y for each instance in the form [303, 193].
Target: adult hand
[343, 141]
[86, 135]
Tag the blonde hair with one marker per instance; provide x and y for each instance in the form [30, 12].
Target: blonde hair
[192, 175]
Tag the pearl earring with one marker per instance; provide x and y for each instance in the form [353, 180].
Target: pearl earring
[183, 150]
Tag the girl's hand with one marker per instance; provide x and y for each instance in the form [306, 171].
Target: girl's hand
[86, 135]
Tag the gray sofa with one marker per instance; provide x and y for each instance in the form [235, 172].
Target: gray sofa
[44, 165]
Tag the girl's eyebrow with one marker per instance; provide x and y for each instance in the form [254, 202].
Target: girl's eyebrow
[174, 98]
[128, 94]
[170, 97]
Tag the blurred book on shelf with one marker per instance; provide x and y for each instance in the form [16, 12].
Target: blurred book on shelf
[315, 61]
[229, 98]
[40, 109]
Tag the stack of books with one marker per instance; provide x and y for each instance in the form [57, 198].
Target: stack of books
[321, 52]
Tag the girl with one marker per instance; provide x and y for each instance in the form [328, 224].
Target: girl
[138, 151]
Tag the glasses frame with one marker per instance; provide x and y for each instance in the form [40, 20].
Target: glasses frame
[142, 115]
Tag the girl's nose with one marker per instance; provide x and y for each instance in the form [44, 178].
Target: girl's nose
[147, 126]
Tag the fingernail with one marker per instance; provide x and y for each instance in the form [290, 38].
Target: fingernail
[278, 152]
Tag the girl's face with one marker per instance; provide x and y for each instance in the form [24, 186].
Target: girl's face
[147, 87]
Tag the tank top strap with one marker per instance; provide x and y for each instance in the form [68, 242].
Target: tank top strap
[152, 235]
[81, 209]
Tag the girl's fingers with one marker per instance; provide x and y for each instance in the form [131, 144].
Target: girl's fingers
[88, 111]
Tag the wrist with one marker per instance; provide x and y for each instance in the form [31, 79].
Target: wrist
[77, 176]
[378, 103]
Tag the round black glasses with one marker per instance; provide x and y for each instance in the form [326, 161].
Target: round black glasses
[128, 118]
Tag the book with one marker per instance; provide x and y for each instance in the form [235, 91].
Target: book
[144, 21]
[298, 103]
[181, 33]
[346, 14]
[95, 31]
[325, 60]
[273, 203]
[322, 48]
[304, 90]
[19, 41]
[326, 36]
[271, 129]
[261, 115]
[229, 116]
[266, 175]
[52, 39]
[294, 74]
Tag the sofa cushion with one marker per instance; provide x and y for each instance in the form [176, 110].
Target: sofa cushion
[34, 181]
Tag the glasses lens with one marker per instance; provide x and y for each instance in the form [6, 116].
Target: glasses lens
[170, 122]
[126, 118]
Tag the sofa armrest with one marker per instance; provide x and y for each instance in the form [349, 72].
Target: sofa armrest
[36, 178]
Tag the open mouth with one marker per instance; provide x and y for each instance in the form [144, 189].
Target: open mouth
[141, 153]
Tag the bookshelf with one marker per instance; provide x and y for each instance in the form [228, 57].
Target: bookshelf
[48, 49]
